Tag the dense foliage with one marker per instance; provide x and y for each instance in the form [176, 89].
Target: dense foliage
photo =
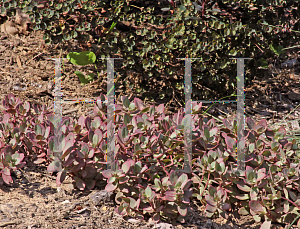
[150, 35]
[147, 174]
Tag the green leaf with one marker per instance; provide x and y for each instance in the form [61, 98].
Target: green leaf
[278, 50]
[82, 77]
[82, 58]
[148, 192]
[263, 63]
[126, 102]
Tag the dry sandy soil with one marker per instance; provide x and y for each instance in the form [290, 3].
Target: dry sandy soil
[35, 201]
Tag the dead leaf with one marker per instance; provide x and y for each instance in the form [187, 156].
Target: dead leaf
[19, 62]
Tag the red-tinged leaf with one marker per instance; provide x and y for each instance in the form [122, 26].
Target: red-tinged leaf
[213, 131]
[230, 142]
[107, 173]
[225, 206]
[256, 206]
[173, 177]
[39, 161]
[250, 123]
[160, 108]
[182, 209]
[123, 180]
[80, 183]
[138, 103]
[127, 165]
[170, 196]
[87, 123]
[210, 200]
[270, 134]
[210, 209]
[61, 176]
[266, 225]
[242, 186]
[11, 111]
[67, 148]
[260, 176]
[54, 166]
[6, 176]
[148, 209]
[110, 187]
[122, 209]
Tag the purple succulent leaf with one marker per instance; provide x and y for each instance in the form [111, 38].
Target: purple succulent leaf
[170, 195]
[225, 206]
[123, 180]
[61, 176]
[54, 166]
[210, 200]
[138, 103]
[230, 142]
[68, 147]
[110, 187]
[210, 208]
[90, 183]
[266, 225]
[160, 109]
[6, 176]
[107, 173]
[185, 186]
[181, 180]
[182, 209]
[256, 207]
[87, 123]
[270, 134]
[261, 127]
[156, 217]
[242, 186]
[127, 165]
[250, 123]
[187, 195]
[173, 177]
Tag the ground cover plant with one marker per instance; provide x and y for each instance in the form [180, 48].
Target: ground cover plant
[147, 173]
[147, 177]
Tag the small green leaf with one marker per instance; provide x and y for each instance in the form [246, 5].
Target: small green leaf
[82, 58]
[82, 77]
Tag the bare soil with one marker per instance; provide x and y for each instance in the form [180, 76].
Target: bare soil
[35, 201]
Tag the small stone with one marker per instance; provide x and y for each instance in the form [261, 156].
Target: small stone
[100, 197]
[133, 220]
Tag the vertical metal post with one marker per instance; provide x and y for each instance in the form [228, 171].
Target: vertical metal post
[188, 115]
[110, 113]
[240, 114]
[57, 106]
